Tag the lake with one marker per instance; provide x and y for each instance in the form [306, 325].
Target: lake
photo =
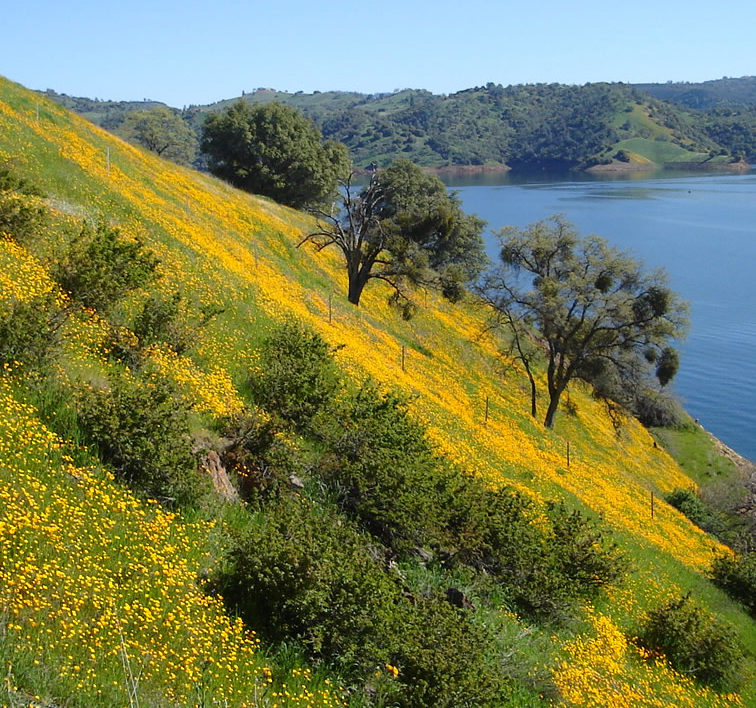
[702, 230]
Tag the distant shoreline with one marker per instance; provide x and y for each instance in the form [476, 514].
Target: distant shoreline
[633, 167]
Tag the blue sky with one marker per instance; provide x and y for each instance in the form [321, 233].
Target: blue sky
[185, 51]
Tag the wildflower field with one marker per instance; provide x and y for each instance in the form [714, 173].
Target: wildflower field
[99, 591]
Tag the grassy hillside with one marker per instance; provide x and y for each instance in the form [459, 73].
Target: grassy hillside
[115, 578]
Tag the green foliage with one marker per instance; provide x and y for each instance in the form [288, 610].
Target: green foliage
[542, 567]
[100, 267]
[297, 374]
[275, 151]
[445, 659]
[160, 321]
[22, 213]
[299, 571]
[597, 314]
[418, 208]
[381, 467]
[139, 427]
[262, 459]
[403, 228]
[29, 332]
[163, 131]
[383, 473]
[693, 642]
[698, 512]
[736, 575]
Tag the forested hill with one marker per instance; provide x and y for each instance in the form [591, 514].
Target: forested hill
[526, 126]
[729, 92]
[533, 126]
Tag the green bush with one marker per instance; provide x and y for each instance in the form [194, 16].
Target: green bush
[22, 213]
[140, 428]
[737, 577]
[301, 571]
[28, 332]
[382, 469]
[100, 267]
[383, 472]
[297, 375]
[542, 567]
[701, 515]
[585, 557]
[445, 659]
[263, 460]
[159, 321]
[693, 642]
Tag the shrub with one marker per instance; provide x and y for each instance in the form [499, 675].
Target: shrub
[382, 469]
[263, 459]
[584, 555]
[297, 376]
[301, 571]
[140, 428]
[100, 267]
[543, 564]
[159, 321]
[693, 642]
[701, 515]
[28, 333]
[737, 577]
[445, 659]
[22, 213]
[385, 475]
[656, 409]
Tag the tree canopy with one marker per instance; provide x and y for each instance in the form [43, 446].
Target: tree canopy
[593, 310]
[162, 131]
[403, 228]
[275, 151]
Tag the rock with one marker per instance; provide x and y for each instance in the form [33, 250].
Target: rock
[459, 599]
[211, 463]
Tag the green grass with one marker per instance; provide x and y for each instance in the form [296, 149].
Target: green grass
[659, 152]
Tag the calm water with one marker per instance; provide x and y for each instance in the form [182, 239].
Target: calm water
[702, 230]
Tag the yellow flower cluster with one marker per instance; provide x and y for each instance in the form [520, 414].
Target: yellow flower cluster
[208, 392]
[99, 588]
[605, 671]
[22, 276]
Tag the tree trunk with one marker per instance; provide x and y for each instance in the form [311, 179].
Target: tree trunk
[552, 409]
[533, 410]
[355, 290]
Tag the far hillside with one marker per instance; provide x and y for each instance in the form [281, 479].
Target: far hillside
[523, 127]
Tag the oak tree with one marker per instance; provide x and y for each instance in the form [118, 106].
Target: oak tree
[403, 228]
[275, 151]
[591, 309]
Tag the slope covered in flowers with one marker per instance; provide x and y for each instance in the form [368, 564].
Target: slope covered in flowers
[239, 253]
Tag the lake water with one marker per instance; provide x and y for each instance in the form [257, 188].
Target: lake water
[702, 230]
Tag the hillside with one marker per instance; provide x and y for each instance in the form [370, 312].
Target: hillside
[524, 127]
[116, 579]
[718, 93]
